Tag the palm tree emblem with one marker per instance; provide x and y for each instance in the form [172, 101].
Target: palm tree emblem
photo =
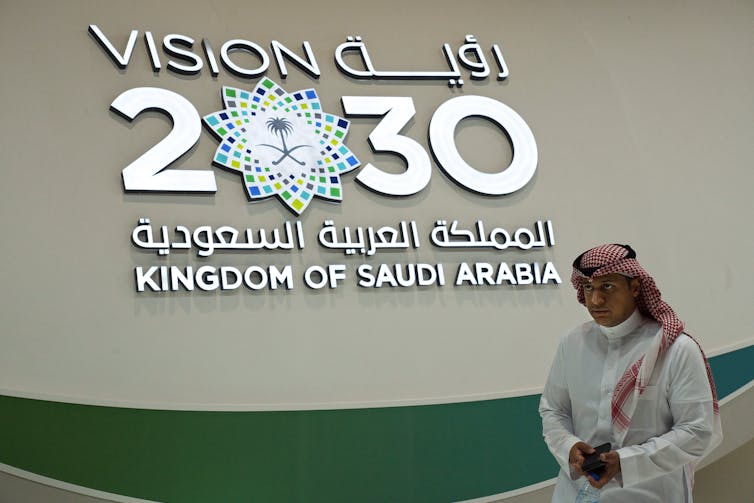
[282, 127]
[254, 133]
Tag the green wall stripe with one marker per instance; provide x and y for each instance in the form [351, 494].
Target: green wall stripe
[432, 453]
[732, 370]
[424, 453]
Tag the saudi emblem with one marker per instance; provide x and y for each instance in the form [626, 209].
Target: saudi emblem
[282, 144]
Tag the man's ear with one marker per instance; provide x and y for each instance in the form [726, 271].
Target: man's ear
[635, 287]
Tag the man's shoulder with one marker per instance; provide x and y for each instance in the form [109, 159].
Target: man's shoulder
[686, 345]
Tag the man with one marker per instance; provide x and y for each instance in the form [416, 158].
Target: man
[631, 378]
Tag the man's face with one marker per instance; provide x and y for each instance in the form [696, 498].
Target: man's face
[611, 299]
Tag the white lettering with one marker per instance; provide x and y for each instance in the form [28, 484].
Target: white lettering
[400, 275]
[226, 283]
[313, 271]
[248, 277]
[465, 275]
[171, 44]
[364, 272]
[523, 274]
[206, 278]
[385, 275]
[484, 273]
[504, 274]
[176, 276]
[550, 274]
[278, 277]
[244, 45]
[146, 279]
[336, 273]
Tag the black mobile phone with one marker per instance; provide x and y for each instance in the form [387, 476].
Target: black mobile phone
[592, 462]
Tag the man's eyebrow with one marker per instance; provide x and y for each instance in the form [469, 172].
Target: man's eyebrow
[600, 281]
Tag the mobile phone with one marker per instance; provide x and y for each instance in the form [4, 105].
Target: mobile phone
[592, 462]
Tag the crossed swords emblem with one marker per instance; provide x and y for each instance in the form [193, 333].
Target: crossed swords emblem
[282, 127]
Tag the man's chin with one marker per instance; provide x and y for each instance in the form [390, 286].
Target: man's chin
[603, 318]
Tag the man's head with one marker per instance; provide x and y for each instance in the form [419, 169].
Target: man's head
[611, 298]
[605, 268]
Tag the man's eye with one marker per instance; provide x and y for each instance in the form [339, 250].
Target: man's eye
[607, 287]
[587, 288]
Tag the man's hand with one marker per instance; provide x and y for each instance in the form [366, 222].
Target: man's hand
[612, 468]
[577, 454]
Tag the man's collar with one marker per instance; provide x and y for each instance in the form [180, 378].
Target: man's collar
[626, 327]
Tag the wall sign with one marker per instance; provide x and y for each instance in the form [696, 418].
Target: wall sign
[284, 145]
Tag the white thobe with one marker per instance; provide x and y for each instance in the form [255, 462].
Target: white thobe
[670, 428]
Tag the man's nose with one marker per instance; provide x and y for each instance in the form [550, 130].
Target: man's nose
[596, 297]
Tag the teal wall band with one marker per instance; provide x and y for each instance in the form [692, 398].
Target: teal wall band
[431, 453]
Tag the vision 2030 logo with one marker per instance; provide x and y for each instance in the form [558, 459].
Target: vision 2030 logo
[282, 144]
[285, 145]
